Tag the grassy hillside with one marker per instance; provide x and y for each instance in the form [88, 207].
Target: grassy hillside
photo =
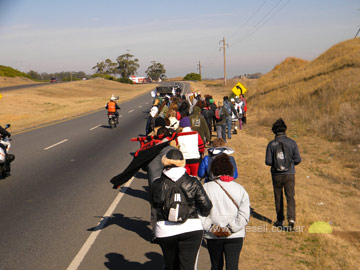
[10, 72]
[319, 100]
[327, 190]
[322, 96]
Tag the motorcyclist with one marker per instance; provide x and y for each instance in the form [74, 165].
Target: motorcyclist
[8, 157]
[112, 107]
[4, 132]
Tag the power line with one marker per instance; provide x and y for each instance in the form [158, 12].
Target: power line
[212, 59]
[262, 19]
[254, 29]
[262, 22]
[251, 16]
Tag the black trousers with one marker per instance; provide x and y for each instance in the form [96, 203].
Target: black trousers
[228, 248]
[181, 251]
[284, 182]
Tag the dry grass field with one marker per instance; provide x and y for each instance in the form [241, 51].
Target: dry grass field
[54, 102]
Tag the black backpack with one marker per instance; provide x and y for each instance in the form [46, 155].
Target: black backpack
[281, 157]
[175, 208]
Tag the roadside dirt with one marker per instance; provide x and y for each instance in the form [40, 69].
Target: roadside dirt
[27, 108]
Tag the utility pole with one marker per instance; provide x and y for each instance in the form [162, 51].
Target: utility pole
[199, 67]
[358, 30]
[224, 49]
[357, 33]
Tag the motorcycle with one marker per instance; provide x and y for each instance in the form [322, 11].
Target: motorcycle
[113, 119]
[5, 157]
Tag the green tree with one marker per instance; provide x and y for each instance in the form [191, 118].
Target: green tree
[156, 71]
[192, 77]
[99, 68]
[110, 67]
[34, 75]
[127, 66]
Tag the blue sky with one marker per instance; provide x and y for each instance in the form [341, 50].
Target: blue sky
[53, 36]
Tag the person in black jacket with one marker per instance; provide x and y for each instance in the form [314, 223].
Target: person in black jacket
[8, 157]
[284, 179]
[4, 132]
[180, 242]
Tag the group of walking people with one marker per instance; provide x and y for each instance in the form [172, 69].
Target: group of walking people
[184, 212]
[225, 118]
[217, 210]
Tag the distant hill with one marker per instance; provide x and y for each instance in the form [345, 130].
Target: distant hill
[11, 72]
[322, 96]
[289, 65]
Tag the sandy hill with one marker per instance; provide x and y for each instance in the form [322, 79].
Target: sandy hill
[321, 95]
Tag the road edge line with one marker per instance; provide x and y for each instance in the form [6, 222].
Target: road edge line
[92, 237]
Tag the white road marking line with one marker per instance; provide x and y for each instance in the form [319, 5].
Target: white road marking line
[95, 127]
[147, 103]
[140, 106]
[91, 239]
[120, 116]
[51, 146]
[131, 111]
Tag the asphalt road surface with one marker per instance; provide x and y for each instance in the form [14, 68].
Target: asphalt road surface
[58, 209]
[16, 87]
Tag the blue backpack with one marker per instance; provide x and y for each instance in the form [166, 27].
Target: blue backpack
[227, 107]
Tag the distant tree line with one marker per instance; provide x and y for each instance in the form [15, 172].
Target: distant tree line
[250, 76]
[64, 76]
[120, 70]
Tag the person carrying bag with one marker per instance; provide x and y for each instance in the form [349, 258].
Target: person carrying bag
[225, 226]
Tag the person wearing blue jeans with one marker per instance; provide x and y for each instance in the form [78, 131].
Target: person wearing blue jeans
[229, 108]
[221, 123]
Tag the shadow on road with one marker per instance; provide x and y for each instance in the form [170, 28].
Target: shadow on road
[134, 224]
[141, 175]
[141, 194]
[118, 261]
[103, 126]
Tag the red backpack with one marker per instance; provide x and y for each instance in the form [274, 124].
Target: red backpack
[219, 115]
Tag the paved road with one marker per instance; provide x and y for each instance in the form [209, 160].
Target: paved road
[16, 87]
[59, 191]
